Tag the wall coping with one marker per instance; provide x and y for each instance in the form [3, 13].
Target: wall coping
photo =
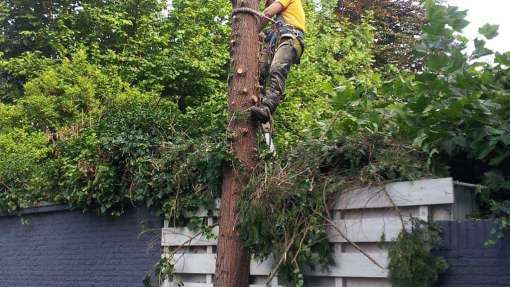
[43, 207]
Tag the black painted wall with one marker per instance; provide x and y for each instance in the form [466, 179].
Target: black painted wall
[64, 248]
[471, 264]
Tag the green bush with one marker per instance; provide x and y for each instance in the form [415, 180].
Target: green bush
[411, 262]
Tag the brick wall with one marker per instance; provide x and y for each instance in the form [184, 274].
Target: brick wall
[62, 248]
[471, 264]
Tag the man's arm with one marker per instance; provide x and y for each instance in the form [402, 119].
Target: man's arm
[270, 11]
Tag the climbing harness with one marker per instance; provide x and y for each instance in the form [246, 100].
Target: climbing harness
[287, 30]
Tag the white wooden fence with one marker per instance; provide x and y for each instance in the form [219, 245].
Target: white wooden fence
[365, 216]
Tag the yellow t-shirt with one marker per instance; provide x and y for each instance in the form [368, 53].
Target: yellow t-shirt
[293, 13]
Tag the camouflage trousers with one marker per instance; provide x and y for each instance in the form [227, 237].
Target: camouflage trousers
[273, 73]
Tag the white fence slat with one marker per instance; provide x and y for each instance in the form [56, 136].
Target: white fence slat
[340, 282]
[367, 282]
[180, 236]
[201, 263]
[366, 229]
[347, 265]
[424, 213]
[354, 265]
[210, 221]
[412, 193]
[261, 268]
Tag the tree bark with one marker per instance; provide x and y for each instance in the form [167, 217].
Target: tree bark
[233, 261]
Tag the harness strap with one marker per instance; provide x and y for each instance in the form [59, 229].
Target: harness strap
[287, 30]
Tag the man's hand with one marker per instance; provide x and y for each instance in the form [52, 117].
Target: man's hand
[270, 11]
[273, 9]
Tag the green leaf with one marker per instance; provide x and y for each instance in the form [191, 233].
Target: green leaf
[500, 158]
[344, 95]
[437, 62]
[503, 58]
[420, 138]
[480, 49]
[489, 31]
[485, 151]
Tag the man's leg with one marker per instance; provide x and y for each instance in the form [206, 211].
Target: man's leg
[288, 53]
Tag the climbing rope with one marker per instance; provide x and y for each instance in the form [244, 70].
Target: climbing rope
[253, 12]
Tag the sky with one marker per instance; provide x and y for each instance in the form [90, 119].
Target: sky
[487, 11]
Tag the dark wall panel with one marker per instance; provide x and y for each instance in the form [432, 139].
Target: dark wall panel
[64, 248]
[471, 263]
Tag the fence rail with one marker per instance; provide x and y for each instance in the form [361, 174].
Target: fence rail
[366, 216]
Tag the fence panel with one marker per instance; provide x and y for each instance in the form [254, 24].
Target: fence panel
[369, 217]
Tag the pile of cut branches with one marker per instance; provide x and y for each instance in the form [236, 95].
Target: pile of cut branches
[285, 211]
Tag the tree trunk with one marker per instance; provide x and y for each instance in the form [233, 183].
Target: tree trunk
[233, 261]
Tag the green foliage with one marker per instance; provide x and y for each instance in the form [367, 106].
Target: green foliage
[22, 162]
[146, 43]
[501, 210]
[285, 210]
[83, 143]
[459, 105]
[336, 62]
[397, 25]
[489, 31]
[411, 262]
[163, 270]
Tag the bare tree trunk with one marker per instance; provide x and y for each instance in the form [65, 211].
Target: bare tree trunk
[233, 261]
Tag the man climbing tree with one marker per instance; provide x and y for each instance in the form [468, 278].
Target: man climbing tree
[286, 45]
[233, 261]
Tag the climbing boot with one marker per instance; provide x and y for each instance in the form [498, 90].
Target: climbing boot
[260, 114]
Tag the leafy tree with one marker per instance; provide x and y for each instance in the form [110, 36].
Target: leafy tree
[328, 86]
[85, 138]
[458, 106]
[147, 45]
[22, 162]
[397, 24]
